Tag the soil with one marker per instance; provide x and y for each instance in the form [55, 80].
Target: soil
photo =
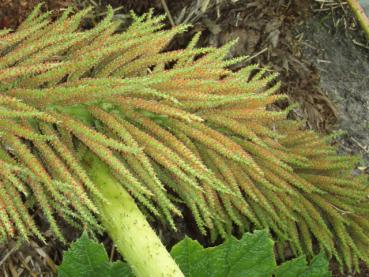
[343, 67]
[13, 12]
[318, 49]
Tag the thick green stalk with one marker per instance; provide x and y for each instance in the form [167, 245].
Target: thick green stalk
[128, 227]
[360, 15]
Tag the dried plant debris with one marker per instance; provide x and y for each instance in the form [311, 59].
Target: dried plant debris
[266, 33]
[26, 260]
[13, 12]
[343, 65]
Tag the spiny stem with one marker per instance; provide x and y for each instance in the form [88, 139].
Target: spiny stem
[360, 15]
[128, 227]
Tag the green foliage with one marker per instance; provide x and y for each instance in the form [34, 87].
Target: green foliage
[299, 268]
[88, 258]
[173, 126]
[252, 255]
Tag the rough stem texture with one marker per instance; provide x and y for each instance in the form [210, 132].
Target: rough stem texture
[173, 127]
[128, 227]
[360, 15]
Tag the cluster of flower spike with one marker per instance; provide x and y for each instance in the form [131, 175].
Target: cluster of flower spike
[174, 127]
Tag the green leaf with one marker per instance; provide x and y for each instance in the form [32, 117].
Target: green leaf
[298, 268]
[86, 258]
[121, 269]
[250, 256]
